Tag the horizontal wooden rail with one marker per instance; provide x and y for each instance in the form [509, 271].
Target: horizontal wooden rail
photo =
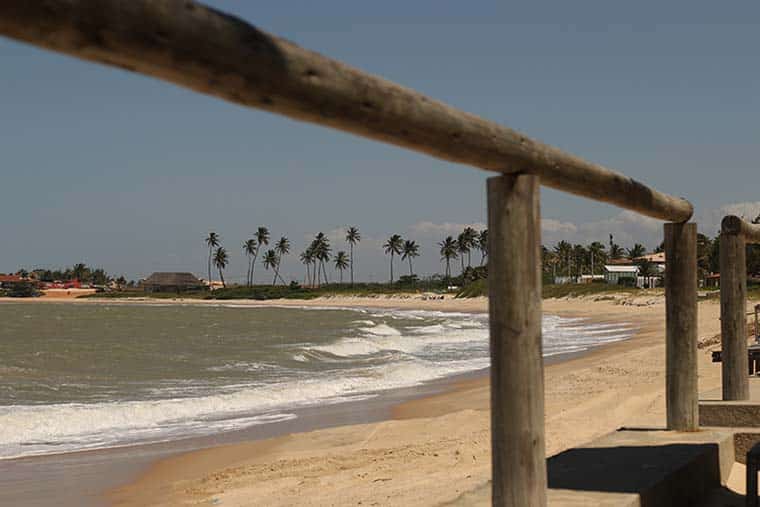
[211, 52]
[732, 224]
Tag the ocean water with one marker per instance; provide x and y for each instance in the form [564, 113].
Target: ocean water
[75, 377]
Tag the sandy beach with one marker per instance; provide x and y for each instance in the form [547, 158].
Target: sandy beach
[433, 449]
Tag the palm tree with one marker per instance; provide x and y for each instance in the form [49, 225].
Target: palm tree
[312, 254]
[321, 247]
[616, 251]
[270, 261]
[448, 252]
[470, 236]
[262, 237]
[212, 240]
[410, 250]
[341, 262]
[249, 248]
[637, 251]
[352, 237]
[282, 248]
[79, 271]
[549, 262]
[579, 256]
[463, 247]
[307, 257]
[563, 251]
[596, 252]
[483, 245]
[220, 261]
[393, 247]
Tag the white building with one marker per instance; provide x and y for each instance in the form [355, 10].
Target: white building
[656, 259]
[613, 273]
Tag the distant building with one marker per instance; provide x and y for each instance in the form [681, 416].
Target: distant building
[614, 272]
[8, 281]
[656, 259]
[212, 285]
[712, 280]
[171, 282]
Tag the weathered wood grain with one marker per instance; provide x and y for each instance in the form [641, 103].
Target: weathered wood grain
[681, 390]
[517, 374]
[733, 301]
[731, 224]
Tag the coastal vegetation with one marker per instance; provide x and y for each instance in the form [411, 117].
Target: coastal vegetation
[220, 261]
[352, 238]
[393, 247]
[565, 262]
[212, 241]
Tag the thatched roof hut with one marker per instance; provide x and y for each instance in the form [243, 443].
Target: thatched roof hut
[171, 282]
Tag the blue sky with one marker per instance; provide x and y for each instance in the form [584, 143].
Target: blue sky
[129, 173]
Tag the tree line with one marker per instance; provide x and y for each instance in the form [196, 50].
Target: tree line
[80, 272]
[318, 255]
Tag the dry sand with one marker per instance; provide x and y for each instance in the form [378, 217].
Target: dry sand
[436, 448]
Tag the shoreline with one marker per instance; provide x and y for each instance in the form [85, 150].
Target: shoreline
[156, 484]
[438, 444]
[448, 303]
[153, 467]
[46, 479]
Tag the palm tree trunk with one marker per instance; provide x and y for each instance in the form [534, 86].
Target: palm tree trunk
[341, 276]
[253, 265]
[410, 267]
[221, 277]
[324, 271]
[391, 268]
[308, 274]
[209, 268]
[462, 259]
[351, 254]
[277, 272]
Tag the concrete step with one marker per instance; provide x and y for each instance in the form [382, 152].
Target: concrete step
[729, 414]
[634, 468]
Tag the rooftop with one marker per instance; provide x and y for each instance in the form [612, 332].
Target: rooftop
[621, 269]
[172, 279]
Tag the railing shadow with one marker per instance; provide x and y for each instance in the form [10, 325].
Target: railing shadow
[692, 470]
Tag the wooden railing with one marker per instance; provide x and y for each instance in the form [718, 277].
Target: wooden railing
[735, 234]
[214, 53]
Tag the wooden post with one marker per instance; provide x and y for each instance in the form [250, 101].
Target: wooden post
[733, 322]
[517, 376]
[681, 321]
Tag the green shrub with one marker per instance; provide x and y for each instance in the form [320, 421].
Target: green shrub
[23, 290]
[263, 292]
[474, 289]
